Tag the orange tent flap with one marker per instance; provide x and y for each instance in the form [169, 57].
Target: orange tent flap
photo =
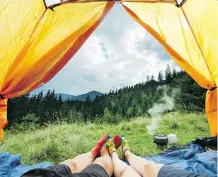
[211, 110]
[17, 19]
[3, 116]
[42, 42]
[170, 27]
[188, 36]
[204, 31]
[61, 31]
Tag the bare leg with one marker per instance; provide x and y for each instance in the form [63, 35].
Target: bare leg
[80, 162]
[106, 162]
[143, 167]
[121, 169]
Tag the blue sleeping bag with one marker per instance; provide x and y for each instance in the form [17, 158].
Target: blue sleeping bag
[10, 165]
[192, 157]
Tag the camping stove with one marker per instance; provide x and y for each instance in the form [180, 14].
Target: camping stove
[160, 140]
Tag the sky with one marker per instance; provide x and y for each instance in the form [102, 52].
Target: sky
[119, 53]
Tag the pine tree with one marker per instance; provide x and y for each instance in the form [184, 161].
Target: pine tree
[148, 78]
[152, 78]
[160, 77]
[168, 74]
[174, 73]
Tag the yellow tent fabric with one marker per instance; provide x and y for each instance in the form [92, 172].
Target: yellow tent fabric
[190, 37]
[36, 42]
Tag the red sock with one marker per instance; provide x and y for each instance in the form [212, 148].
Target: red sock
[96, 150]
[117, 141]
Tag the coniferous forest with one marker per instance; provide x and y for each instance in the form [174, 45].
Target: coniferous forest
[126, 103]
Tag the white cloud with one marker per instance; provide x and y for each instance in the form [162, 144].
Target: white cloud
[94, 52]
[119, 53]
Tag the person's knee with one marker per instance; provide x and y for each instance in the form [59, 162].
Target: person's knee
[73, 165]
[125, 170]
[151, 169]
[147, 168]
[106, 163]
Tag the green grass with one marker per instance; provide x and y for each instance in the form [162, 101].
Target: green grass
[56, 143]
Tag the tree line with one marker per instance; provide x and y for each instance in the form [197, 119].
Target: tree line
[125, 103]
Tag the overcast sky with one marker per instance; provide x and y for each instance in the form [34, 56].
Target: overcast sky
[119, 53]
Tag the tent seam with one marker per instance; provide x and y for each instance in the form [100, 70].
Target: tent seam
[198, 45]
[88, 1]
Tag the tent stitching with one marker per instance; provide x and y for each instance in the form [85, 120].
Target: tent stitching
[198, 45]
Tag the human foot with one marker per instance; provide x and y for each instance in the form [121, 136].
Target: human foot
[110, 145]
[117, 141]
[121, 140]
[125, 146]
[97, 149]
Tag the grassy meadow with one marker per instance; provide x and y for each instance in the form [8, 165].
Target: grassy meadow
[57, 142]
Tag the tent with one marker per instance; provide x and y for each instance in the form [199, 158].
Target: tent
[38, 39]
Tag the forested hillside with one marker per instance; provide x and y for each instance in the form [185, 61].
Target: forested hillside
[112, 107]
[81, 97]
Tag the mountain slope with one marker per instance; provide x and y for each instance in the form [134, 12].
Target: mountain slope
[65, 96]
[81, 97]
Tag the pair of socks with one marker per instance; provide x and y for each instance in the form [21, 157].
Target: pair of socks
[113, 144]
